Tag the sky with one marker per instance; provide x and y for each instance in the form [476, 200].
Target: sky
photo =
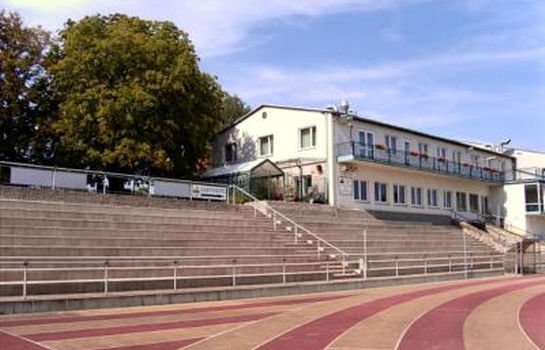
[465, 69]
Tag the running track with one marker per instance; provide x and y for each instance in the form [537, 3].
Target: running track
[493, 313]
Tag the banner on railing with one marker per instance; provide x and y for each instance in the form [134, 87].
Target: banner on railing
[209, 192]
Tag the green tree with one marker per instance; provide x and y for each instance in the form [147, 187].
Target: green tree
[25, 101]
[232, 108]
[132, 96]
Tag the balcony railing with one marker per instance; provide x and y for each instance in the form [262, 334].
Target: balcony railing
[355, 151]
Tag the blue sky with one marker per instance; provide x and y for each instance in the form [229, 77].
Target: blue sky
[465, 69]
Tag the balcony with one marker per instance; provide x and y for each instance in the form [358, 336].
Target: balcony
[354, 151]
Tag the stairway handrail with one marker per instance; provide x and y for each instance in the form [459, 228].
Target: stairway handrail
[291, 221]
[528, 233]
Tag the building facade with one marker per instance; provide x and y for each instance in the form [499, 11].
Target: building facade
[355, 162]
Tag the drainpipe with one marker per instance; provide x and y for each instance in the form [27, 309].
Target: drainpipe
[331, 160]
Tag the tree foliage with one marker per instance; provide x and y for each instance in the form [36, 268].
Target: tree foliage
[25, 101]
[232, 108]
[132, 96]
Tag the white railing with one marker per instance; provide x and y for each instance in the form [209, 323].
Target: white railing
[102, 274]
[179, 272]
[297, 229]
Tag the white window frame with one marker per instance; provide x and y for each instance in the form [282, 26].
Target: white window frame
[442, 152]
[433, 198]
[466, 204]
[361, 184]
[370, 151]
[313, 137]
[449, 206]
[396, 190]
[270, 148]
[381, 185]
[414, 191]
[388, 142]
[477, 197]
[476, 160]
[422, 146]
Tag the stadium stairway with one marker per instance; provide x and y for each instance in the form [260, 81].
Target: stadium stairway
[394, 243]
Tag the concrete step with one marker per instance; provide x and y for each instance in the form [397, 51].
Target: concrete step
[12, 240]
[60, 250]
[234, 218]
[187, 232]
[93, 224]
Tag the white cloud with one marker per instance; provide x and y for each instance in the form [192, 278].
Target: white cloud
[216, 26]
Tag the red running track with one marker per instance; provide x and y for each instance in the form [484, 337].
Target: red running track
[442, 328]
[316, 335]
[532, 319]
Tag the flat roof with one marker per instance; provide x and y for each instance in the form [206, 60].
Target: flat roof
[365, 120]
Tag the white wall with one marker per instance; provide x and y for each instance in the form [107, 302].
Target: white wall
[284, 125]
[344, 130]
[386, 174]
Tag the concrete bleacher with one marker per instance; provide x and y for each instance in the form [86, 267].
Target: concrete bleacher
[396, 243]
[67, 244]
[72, 242]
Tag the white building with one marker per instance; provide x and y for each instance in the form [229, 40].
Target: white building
[355, 162]
[520, 203]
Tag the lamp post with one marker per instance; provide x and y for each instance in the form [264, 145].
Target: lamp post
[299, 164]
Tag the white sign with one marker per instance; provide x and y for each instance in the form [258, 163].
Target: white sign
[209, 192]
[345, 186]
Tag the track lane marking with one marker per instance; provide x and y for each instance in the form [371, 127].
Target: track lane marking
[384, 329]
[442, 327]
[532, 320]
[318, 333]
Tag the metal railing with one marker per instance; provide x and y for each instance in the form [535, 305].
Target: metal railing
[415, 160]
[178, 272]
[105, 275]
[297, 229]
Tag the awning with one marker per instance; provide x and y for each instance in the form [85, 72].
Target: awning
[256, 168]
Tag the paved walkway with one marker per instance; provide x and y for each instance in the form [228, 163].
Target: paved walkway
[492, 313]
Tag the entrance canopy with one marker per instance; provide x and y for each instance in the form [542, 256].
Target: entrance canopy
[260, 168]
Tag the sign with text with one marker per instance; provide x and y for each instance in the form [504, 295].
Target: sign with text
[209, 192]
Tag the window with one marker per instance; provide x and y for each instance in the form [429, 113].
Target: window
[307, 137]
[266, 145]
[231, 152]
[381, 194]
[399, 194]
[432, 197]
[441, 153]
[475, 160]
[474, 203]
[360, 190]
[366, 144]
[423, 148]
[461, 201]
[416, 196]
[457, 160]
[447, 200]
[391, 143]
[407, 150]
[484, 205]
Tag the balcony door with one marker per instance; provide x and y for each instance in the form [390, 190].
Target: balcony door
[407, 151]
[366, 144]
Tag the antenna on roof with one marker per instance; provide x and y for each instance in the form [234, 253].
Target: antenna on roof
[344, 107]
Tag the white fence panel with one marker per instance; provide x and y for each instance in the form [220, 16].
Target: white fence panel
[65, 179]
[171, 189]
[31, 177]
